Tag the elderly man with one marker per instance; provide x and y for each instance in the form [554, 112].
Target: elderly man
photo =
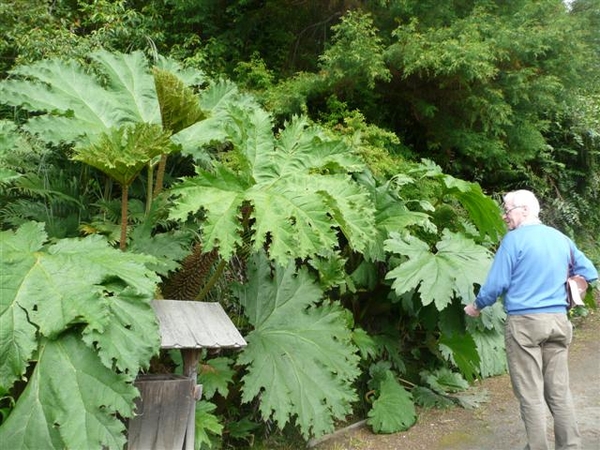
[529, 271]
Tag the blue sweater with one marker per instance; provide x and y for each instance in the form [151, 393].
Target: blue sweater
[530, 270]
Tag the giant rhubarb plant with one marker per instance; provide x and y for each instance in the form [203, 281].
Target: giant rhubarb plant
[118, 116]
[76, 326]
[293, 194]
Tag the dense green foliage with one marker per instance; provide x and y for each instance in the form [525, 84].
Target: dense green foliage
[81, 310]
[347, 182]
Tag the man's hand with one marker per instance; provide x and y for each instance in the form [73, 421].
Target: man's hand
[472, 311]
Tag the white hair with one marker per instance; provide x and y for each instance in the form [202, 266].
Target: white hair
[524, 197]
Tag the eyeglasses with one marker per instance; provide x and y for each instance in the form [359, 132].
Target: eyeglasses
[507, 211]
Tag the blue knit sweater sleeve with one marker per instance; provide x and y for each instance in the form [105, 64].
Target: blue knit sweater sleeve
[499, 277]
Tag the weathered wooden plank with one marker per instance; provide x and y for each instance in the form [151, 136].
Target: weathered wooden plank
[189, 324]
[162, 412]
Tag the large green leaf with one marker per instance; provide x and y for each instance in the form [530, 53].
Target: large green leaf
[80, 105]
[179, 106]
[215, 376]
[482, 211]
[51, 294]
[70, 401]
[221, 195]
[492, 354]
[391, 215]
[300, 357]
[454, 269]
[217, 100]
[122, 153]
[297, 185]
[488, 334]
[299, 223]
[393, 410]
[128, 79]
[130, 338]
[66, 283]
[443, 380]
[207, 424]
[17, 333]
[460, 350]
[301, 147]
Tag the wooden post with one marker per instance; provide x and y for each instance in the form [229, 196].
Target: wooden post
[191, 358]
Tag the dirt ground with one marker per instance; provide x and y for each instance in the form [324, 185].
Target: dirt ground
[496, 424]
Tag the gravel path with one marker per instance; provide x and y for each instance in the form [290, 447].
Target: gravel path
[495, 425]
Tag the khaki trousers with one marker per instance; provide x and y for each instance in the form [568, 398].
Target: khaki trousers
[537, 347]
